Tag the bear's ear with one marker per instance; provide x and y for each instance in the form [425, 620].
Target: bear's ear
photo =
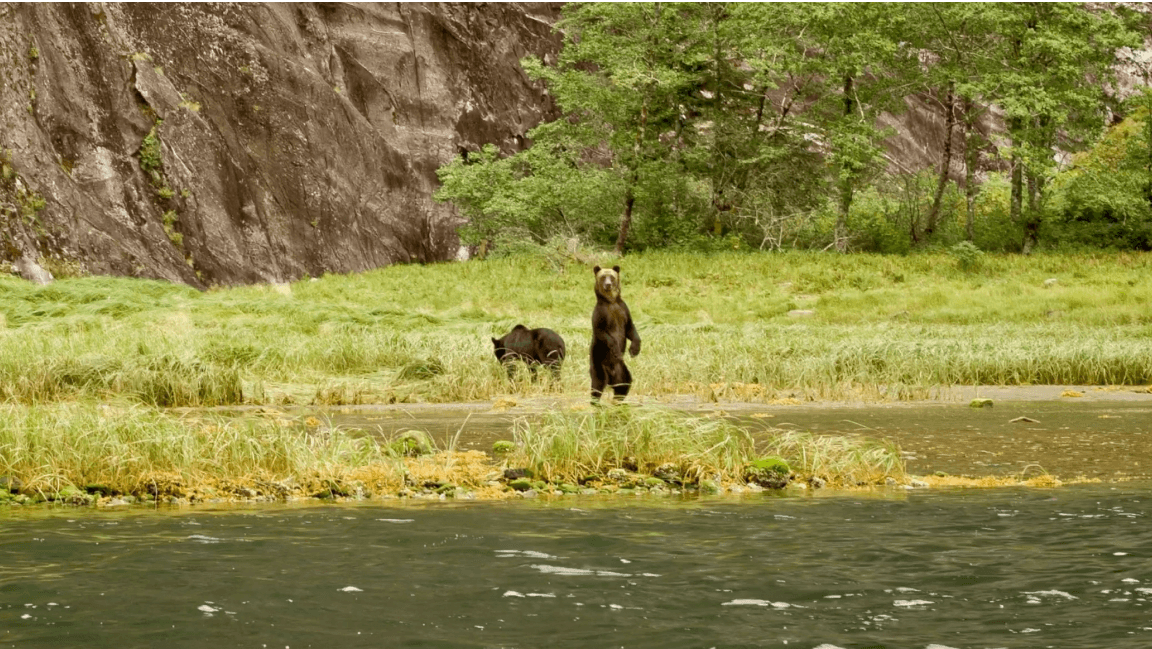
[617, 269]
[495, 342]
[596, 270]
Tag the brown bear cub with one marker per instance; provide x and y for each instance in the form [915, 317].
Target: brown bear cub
[611, 326]
[533, 346]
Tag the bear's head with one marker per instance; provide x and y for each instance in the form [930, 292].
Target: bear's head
[516, 341]
[608, 282]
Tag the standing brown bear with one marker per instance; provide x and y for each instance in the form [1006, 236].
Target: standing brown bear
[611, 326]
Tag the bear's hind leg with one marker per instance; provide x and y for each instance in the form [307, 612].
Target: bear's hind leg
[599, 380]
[622, 382]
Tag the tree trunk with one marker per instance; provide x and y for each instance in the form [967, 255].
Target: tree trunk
[719, 202]
[1032, 218]
[945, 162]
[630, 191]
[971, 155]
[841, 232]
[626, 222]
[1148, 139]
[1017, 173]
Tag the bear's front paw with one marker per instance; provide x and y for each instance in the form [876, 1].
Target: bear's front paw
[634, 349]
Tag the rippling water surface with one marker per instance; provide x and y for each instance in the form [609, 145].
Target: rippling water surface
[1070, 567]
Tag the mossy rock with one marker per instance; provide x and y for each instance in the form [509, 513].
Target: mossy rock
[768, 472]
[412, 443]
[772, 464]
[539, 485]
[980, 403]
[71, 495]
[616, 475]
[669, 472]
[447, 488]
[568, 488]
[653, 482]
[503, 447]
[520, 484]
[709, 487]
[10, 483]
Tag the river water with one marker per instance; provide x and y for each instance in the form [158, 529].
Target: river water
[1068, 567]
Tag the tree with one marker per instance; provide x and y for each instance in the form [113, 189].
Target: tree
[623, 70]
[1054, 60]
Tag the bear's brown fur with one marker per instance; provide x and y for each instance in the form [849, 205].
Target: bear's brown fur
[533, 346]
[611, 327]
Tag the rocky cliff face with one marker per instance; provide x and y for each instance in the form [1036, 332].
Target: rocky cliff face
[241, 143]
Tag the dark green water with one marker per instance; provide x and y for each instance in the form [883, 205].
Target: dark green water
[1070, 567]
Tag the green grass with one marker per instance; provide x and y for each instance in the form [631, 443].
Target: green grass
[577, 446]
[140, 450]
[884, 327]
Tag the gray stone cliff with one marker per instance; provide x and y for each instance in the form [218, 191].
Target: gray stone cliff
[233, 143]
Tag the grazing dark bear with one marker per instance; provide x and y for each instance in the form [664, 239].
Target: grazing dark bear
[611, 326]
[533, 346]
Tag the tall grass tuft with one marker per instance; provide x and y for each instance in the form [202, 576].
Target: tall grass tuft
[574, 446]
[138, 449]
[842, 460]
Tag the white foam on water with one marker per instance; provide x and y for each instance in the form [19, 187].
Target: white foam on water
[576, 572]
[1030, 630]
[1146, 591]
[1130, 580]
[350, 589]
[512, 593]
[560, 570]
[396, 520]
[911, 602]
[25, 616]
[615, 607]
[1119, 554]
[208, 610]
[625, 561]
[823, 646]
[200, 538]
[541, 595]
[759, 602]
[905, 589]
[531, 554]
[832, 596]
[1050, 593]
[938, 646]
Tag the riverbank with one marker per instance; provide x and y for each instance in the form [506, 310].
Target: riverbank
[109, 383]
[113, 456]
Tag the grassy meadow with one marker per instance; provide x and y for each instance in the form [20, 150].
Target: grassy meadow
[91, 367]
[716, 325]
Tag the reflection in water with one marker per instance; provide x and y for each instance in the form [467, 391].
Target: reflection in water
[1005, 568]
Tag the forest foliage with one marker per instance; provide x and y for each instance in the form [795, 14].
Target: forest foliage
[765, 126]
